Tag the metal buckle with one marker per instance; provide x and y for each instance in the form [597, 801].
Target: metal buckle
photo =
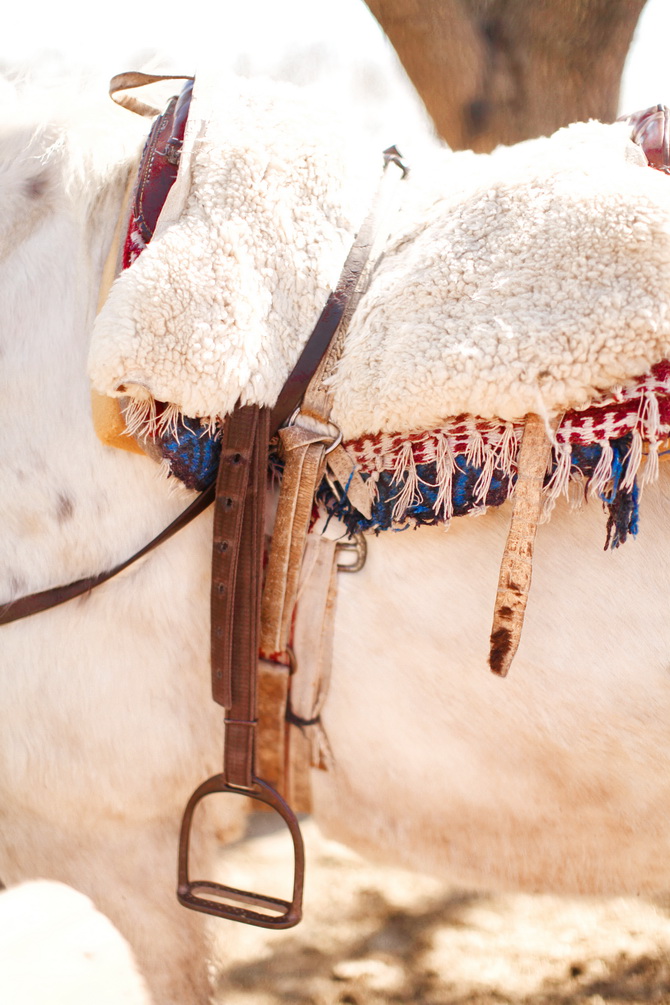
[359, 546]
[393, 156]
[287, 912]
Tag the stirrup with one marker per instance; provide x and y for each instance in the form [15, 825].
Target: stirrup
[287, 912]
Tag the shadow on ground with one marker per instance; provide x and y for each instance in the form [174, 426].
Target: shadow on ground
[373, 935]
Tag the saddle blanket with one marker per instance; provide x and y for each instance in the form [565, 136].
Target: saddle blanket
[531, 279]
[607, 450]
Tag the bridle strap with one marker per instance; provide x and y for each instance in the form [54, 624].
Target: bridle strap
[23, 607]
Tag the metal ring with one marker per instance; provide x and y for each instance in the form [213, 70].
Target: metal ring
[336, 442]
[293, 418]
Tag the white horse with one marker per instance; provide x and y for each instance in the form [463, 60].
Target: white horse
[555, 779]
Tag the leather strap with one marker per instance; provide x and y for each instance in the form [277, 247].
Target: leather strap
[516, 568]
[127, 81]
[236, 584]
[303, 454]
[24, 607]
[237, 443]
[160, 163]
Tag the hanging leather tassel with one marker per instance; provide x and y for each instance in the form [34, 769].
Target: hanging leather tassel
[517, 563]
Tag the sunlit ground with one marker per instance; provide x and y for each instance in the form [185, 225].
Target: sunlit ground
[372, 935]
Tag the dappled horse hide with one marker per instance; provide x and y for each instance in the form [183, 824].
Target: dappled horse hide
[554, 779]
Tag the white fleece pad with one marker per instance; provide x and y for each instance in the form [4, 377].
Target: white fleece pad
[526, 280]
[541, 277]
[251, 239]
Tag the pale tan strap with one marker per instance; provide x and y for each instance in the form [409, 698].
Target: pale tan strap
[272, 740]
[127, 81]
[313, 634]
[517, 564]
[303, 451]
[290, 697]
[305, 461]
[345, 472]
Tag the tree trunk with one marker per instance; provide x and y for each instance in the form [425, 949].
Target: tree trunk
[500, 71]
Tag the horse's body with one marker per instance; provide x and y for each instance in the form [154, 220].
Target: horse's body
[555, 779]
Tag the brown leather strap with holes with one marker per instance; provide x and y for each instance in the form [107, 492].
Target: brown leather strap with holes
[237, 557]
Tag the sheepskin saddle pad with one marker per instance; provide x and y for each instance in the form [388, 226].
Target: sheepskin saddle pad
[534, 279]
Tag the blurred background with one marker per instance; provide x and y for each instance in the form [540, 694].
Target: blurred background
[335, 45]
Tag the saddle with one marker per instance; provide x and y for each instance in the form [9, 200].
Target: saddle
[242, 623]
[531, 448]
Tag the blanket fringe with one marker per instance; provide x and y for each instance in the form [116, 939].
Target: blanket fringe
[405, 471]
[445, 466]
[140, 416]
[603, 473]
[608, 448]
[607, 451]
[650, 471]
[563, 478]
[517, 563]
[559, 481]
[151, 420]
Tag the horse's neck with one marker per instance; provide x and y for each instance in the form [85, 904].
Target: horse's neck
[49, 286]
[71, 507]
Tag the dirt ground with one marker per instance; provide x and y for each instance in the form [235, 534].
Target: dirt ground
[373, 935]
